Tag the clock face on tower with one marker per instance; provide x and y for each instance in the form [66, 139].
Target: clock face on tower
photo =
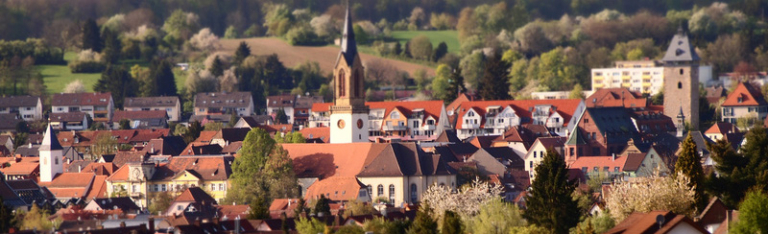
[340, 124]
[359, 124]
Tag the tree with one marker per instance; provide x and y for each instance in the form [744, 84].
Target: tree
[496, 216]
[281, 117]
[752, 215]
[357, 208]
[423, 223]
[441, 85]
[577, 92]
[103, 144]
[91, 36]
[647, 194]
[37, 219]
[160, 202]
[294, 137]
[112, 47]
[118, 81]
[161, 80]
[217, 68]
[451, 223]
[456, 82]
[192, 132]
[350, 229]
[74, 87]
[242, 52]
[421, 47]
[322, 205]
[259, 208]
[309, 226]
[466, 202]
[20, 139]
[493, 85]
[125, 124]
[689, 164]
[739, 171]
[550, 204]
[7, 221]
[440, 51]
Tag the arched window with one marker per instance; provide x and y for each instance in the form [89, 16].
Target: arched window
[357, 80]
[679, 85]
[392, 194]
[380, 190]
[370, 192]
[341, 84]
[681, 71]
[414, 193]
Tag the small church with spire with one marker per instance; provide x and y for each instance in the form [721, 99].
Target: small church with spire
[349, 114]
[51, 153]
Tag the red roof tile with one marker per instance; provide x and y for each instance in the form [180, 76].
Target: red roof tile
[745, 95]
[322, 133]
[566, 108]
[338, 188]
[722, 128]
[590, 162]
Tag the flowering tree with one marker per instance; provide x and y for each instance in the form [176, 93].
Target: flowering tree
[205, 40]
[466, 202]
[652, 193]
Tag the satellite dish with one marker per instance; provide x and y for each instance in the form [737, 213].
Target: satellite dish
[660, 220]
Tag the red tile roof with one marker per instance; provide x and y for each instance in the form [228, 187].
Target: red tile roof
[616, 97]
[99, 188]
[80, 99]
[338, 188]
[565, 107]
[21, 168]
[646, 223]
[590, 162]
[431, 108]
[722, 128]
[322, 133]
[745, 95]
[206, 136]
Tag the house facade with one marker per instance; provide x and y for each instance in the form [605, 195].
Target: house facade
[99, 106]
[747, 102]
[646, 76]
[171, 105]
[478, 118]
[240, 103]
[30, 108]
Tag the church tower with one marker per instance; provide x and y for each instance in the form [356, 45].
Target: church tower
[681, 79]
[349, 114]
[51, 153]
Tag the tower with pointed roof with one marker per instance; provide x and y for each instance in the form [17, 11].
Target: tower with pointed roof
[349, 114]
[680, 124]
[681, 79]
[51, 153]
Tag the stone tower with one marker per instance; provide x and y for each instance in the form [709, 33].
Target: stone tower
[681, 79]
[349, 114]
[51, 153]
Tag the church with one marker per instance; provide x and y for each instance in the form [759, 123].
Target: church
[351, 167]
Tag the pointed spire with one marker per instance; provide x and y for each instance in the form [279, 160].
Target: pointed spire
[50, 142]
[681, 115]
[348, 43]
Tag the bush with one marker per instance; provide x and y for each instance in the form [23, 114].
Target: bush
[302, 35]
[87, 67]
[38, 49]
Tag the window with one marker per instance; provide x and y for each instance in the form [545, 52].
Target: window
[392, 194]
[606, 169]
[223, 187]
[134, 188]
[679, 85]
[163, 188]
[471, 114]
[681, 71]
[584, 169]
[213, 187]
[570, 151]
[156, 188]
[530, 165]
[414, 193]
[616, 169]
[394, 115]
[596, 169]
[380, 190]
[534, 154]
[341, 83]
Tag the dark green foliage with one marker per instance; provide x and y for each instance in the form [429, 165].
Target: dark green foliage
[350, 229]
[689, 164]
[217, 68]
[242, 52]
[440, 51]
[193, 132]
[281, 117]
[125, 124]
[301, 207]
[39, 50]
[398, 48]
[112, 47]
[91, 37]
[161, 80]
[493, 85]
[550, 204]
[451, 223]
[739, 171]
[423, 223]
[752, 215]
[20, 139]
[7, 221]
[322, 206]
[259, 209]
[456, 84]
[22, 127]
[233, 118]
[118, 81]
[87, 67]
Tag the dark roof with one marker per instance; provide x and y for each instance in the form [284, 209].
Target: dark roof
[234, 134]
[680, 49]
[448, 136]
[76, 166]
[123, 203]
[614, 123]
[306, 102]
[215, 118]
[28, 150]
[68, 117]
[169, 145]
[576, 138]
[123, 157]
[348, 43]
[280, 101]
[19, 101]
[9, 196]
[80, 99]
[506, 153]
[233, 99]
[50, 142]
[108, 157]
[151, 101]
[634, 160]
[139, 115]
[256, 120]
[9, 121]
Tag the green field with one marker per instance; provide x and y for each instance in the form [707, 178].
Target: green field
[57, 77]
[450, 37]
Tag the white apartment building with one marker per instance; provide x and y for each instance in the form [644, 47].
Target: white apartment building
[640, 76]
[99, 106]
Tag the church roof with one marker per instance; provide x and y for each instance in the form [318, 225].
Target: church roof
[348, 43]
[680, 49]
[50, 142]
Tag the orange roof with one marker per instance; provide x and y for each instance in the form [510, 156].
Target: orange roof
[431, 108]
[100, 168]
[232, 211]
[565, 107]
[322, 133]
[345, 160]
[22, 168]
[283, 204]
[71, 180]
[68, 192]
[339, 188]
[206, 136]
[99, 188]
[456, 103]
[119, 175]
[590, 162]
[616, 97]
[745, 95]
[722, 128]
[646, 223]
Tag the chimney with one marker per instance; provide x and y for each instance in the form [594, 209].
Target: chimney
[79, 168]
[613, 157]
[151, 223]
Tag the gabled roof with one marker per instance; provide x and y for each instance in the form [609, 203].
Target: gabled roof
[646, 223]
[338, 188]
[320, 134]
[280, 101]
[147, 102]
[616, 97]
[680, 49]
[68, 117]
[232, 134]
[576, 137]
[745, 94]
[9, 121]
[614, 123]
[195, 194]
[722, 128]
[523, 108]
[634, 161]
[123, 157]
[430, 108]
[525, 134]
[208, 168]
[81, 99]
[19, 101]
[123, 203]
[590, 162]
[233, 99]
[139, 115]
[448, 136]
[551, 142]
[50, 142]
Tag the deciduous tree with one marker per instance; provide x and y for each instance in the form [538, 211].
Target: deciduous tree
[647, 194]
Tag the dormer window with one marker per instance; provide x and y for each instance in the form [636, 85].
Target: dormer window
[471, 114]
[394, 115]
[740, 99]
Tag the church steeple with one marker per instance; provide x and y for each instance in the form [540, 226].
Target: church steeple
[51, 152]
[349, 114]
[348, 43]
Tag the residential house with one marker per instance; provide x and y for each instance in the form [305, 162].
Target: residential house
[8, 122]
[496, 160]
[408, 121]
[21, 194]
[398, 172]
[662, 222]
[30, 108]
[69, 121]
[112, 203]
[647, 118]
[281, 102]
[239, 103]
[21, 168]
[600, 132]
[253, 121]
[745, 102]
[99, 106]
[70, 186]
[715, 94]
[171, 105]
[494, 117]
[539, 148]
[719, 130]
[302, 109]
[216, 118]
[520, 138]
[141, 119]
[646, 76]
[192, 200]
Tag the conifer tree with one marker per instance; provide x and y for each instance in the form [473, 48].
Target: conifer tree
[281, 117]
[118, 81]
[7, 220]
[423, 223]
[456, 84]
[550, 204]
[739, 171]
[689, 164]
[451, 223]
[217, 68]
[91, 36]
[440, 51]
[493, 84]
[322, 205]
[161, 80]
[242, 52]
[112, 47]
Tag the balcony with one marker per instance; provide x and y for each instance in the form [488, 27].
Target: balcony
[626, 85]
[395, 128]
[597, 85]
[596, 78]
[626, 78]
[428, 127]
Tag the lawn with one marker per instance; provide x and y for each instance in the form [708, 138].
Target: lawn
[57, 77]
[450, 37]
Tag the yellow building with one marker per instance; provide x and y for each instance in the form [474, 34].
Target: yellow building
[141, 181]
